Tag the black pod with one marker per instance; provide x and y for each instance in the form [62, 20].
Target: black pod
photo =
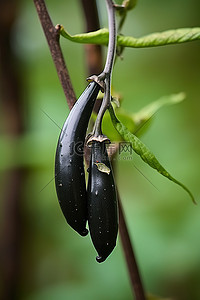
[102, 202]
[69, 167]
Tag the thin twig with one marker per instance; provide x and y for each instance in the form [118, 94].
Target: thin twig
[107, 72]
[136, 282]
[112, 38]
[52, 36]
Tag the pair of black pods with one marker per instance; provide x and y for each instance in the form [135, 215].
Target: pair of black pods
[97, 204]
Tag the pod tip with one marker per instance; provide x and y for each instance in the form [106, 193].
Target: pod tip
[100, 259]
[84, 232]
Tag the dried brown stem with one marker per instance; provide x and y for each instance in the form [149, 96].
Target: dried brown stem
[136, 282]
[93, 52]
[52, 37]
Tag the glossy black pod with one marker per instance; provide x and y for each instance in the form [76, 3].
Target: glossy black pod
[102, 202]
[69, 166]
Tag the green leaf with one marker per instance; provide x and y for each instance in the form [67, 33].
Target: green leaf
[148, 111]
[174, 36]
[142, 150]
[100, 37]
[135, 121]
[110, 132]
[103, 168]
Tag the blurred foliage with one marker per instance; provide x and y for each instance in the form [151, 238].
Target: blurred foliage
[55, 261]
[142, 150]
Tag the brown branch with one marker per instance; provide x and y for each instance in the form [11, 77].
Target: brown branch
[11, 233]
[93, 52]
[52, 37]
[13, 126]
[94, 57]
[136, 282]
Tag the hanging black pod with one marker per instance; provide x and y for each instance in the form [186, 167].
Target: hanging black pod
[102, 202]
[69, 167]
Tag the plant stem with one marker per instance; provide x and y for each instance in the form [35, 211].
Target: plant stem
[93, 52]
[136, 282]
[94, 57]
[107, 72]
[112, 38]
[52, 36]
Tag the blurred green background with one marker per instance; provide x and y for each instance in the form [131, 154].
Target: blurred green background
[53, 262]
